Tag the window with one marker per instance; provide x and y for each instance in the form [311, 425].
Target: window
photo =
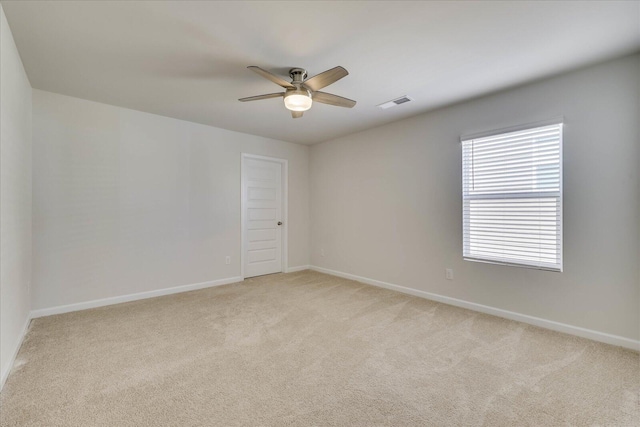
[512, 198]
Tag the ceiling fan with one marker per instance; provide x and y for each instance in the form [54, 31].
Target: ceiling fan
[301, 92]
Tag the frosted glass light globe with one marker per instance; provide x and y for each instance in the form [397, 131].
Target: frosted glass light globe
[297, 100]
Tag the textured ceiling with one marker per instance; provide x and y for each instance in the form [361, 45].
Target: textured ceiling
[188, 59]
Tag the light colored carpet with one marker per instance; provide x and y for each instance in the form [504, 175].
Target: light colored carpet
[307, 349]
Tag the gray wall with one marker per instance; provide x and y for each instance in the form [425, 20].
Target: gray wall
[127, 202]
[386, 202]
[15, 198]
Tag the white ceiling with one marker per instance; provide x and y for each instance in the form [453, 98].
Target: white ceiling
[188, 59]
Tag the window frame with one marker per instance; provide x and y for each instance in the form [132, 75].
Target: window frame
[519, 195]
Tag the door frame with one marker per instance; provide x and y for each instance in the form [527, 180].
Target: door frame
[284, 209]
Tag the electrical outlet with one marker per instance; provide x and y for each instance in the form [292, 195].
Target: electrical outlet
[449, 274]
[321, 252]
[227, 260]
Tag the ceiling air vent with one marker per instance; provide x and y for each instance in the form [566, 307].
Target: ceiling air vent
[394, 102]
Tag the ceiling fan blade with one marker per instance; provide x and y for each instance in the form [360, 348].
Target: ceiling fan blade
[267, 75]
[297, 114]
[326, 78]
[328, 98]
[258, 97]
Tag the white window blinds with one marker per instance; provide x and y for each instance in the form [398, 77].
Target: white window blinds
[512, 198]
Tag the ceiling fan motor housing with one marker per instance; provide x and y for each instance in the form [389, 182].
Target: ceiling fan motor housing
[297, 75]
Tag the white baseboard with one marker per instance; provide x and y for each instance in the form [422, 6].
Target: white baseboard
[536, 321]
[131, 297]
[298, 268]
[7, 368]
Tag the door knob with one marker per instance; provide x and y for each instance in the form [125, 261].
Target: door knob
[279, 222]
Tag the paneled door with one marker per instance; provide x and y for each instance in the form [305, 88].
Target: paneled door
[262, 215]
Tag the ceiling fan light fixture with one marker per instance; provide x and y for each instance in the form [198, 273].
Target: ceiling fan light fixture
[297, 100]
[301, 92]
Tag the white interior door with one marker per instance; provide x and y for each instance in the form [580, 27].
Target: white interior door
[262, 205]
